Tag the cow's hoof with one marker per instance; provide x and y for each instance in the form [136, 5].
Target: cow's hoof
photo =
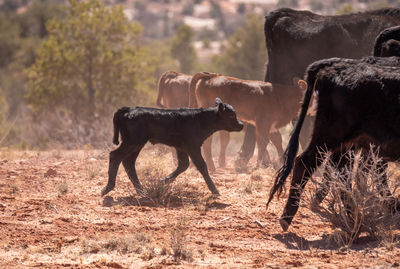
[284, 224]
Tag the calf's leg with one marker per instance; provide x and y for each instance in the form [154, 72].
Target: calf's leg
[247, 149]
[183, 164]
[262, 142]
[197, 159]
[224, 140]
[116, 157]
[276, 139]
[208, 153]
[129, 165]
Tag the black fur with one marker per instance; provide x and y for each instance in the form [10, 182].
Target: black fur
[358, 104]
[387, 43]
[297, 38]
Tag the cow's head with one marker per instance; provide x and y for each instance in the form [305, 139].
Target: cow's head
[227, 116]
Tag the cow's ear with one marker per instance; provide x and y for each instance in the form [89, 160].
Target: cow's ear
[217, 101]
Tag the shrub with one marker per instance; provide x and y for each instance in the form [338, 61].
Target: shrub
[353, 204]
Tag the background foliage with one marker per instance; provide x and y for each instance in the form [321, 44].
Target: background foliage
[67, 65]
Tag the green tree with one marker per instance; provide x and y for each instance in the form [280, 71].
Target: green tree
[182, 48]
[90, 62]
[244, 55]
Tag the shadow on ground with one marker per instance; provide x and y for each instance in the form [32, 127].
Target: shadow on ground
[175, 202]
[326, 242]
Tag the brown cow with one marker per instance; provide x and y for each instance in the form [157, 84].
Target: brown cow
[265, 105]
[173, 90]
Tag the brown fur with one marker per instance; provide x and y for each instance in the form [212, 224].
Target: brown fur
[173, 90]
[265, 105]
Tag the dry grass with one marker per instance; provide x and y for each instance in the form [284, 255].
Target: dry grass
[353, 204]
[180, 251]
[139, 244]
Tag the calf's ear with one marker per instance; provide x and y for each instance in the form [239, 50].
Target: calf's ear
[302, 85]
[218, 101]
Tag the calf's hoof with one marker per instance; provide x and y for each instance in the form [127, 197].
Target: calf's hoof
[106, 190]
[241, 165]
[221, 163]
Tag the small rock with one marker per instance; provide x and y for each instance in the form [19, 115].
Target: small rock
[50, 173]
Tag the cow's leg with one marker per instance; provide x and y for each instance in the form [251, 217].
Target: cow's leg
[304, 166]
[224, 140]
[197, 159]
[338, 160]
[116, 157]
[129, 165]
[183, 164]
[247, 149]
[208, 153]
[384, 189]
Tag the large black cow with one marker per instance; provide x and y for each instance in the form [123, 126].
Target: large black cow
[184, 129]
[358, 104]
[387, 43]
[296, 38]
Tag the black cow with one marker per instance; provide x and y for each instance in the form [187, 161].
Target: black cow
[184, 129]
[358, 103]
[387, 43]
[297, 38]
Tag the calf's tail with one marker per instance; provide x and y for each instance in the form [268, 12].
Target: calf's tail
[162, 85]
[293, 145]
[117, 122]
[192, 87]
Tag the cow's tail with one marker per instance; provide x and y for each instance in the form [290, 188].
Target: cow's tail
[162, 85]
[192, 87]
[116, 122]
[293, 145]
[269, 23]
[385, 35]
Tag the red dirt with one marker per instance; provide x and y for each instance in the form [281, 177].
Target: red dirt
[52, 216]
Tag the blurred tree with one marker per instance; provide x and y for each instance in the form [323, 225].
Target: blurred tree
[288, 3]
[9, 39]
[33, 21]
[188, 8]
[316, 5]
[182, 48]
[89, 63]
[345, 9]
[244, 55]
[216, 13]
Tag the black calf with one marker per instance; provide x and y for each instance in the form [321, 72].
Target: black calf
[184, 129]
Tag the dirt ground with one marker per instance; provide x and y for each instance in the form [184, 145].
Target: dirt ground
[52, 216]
